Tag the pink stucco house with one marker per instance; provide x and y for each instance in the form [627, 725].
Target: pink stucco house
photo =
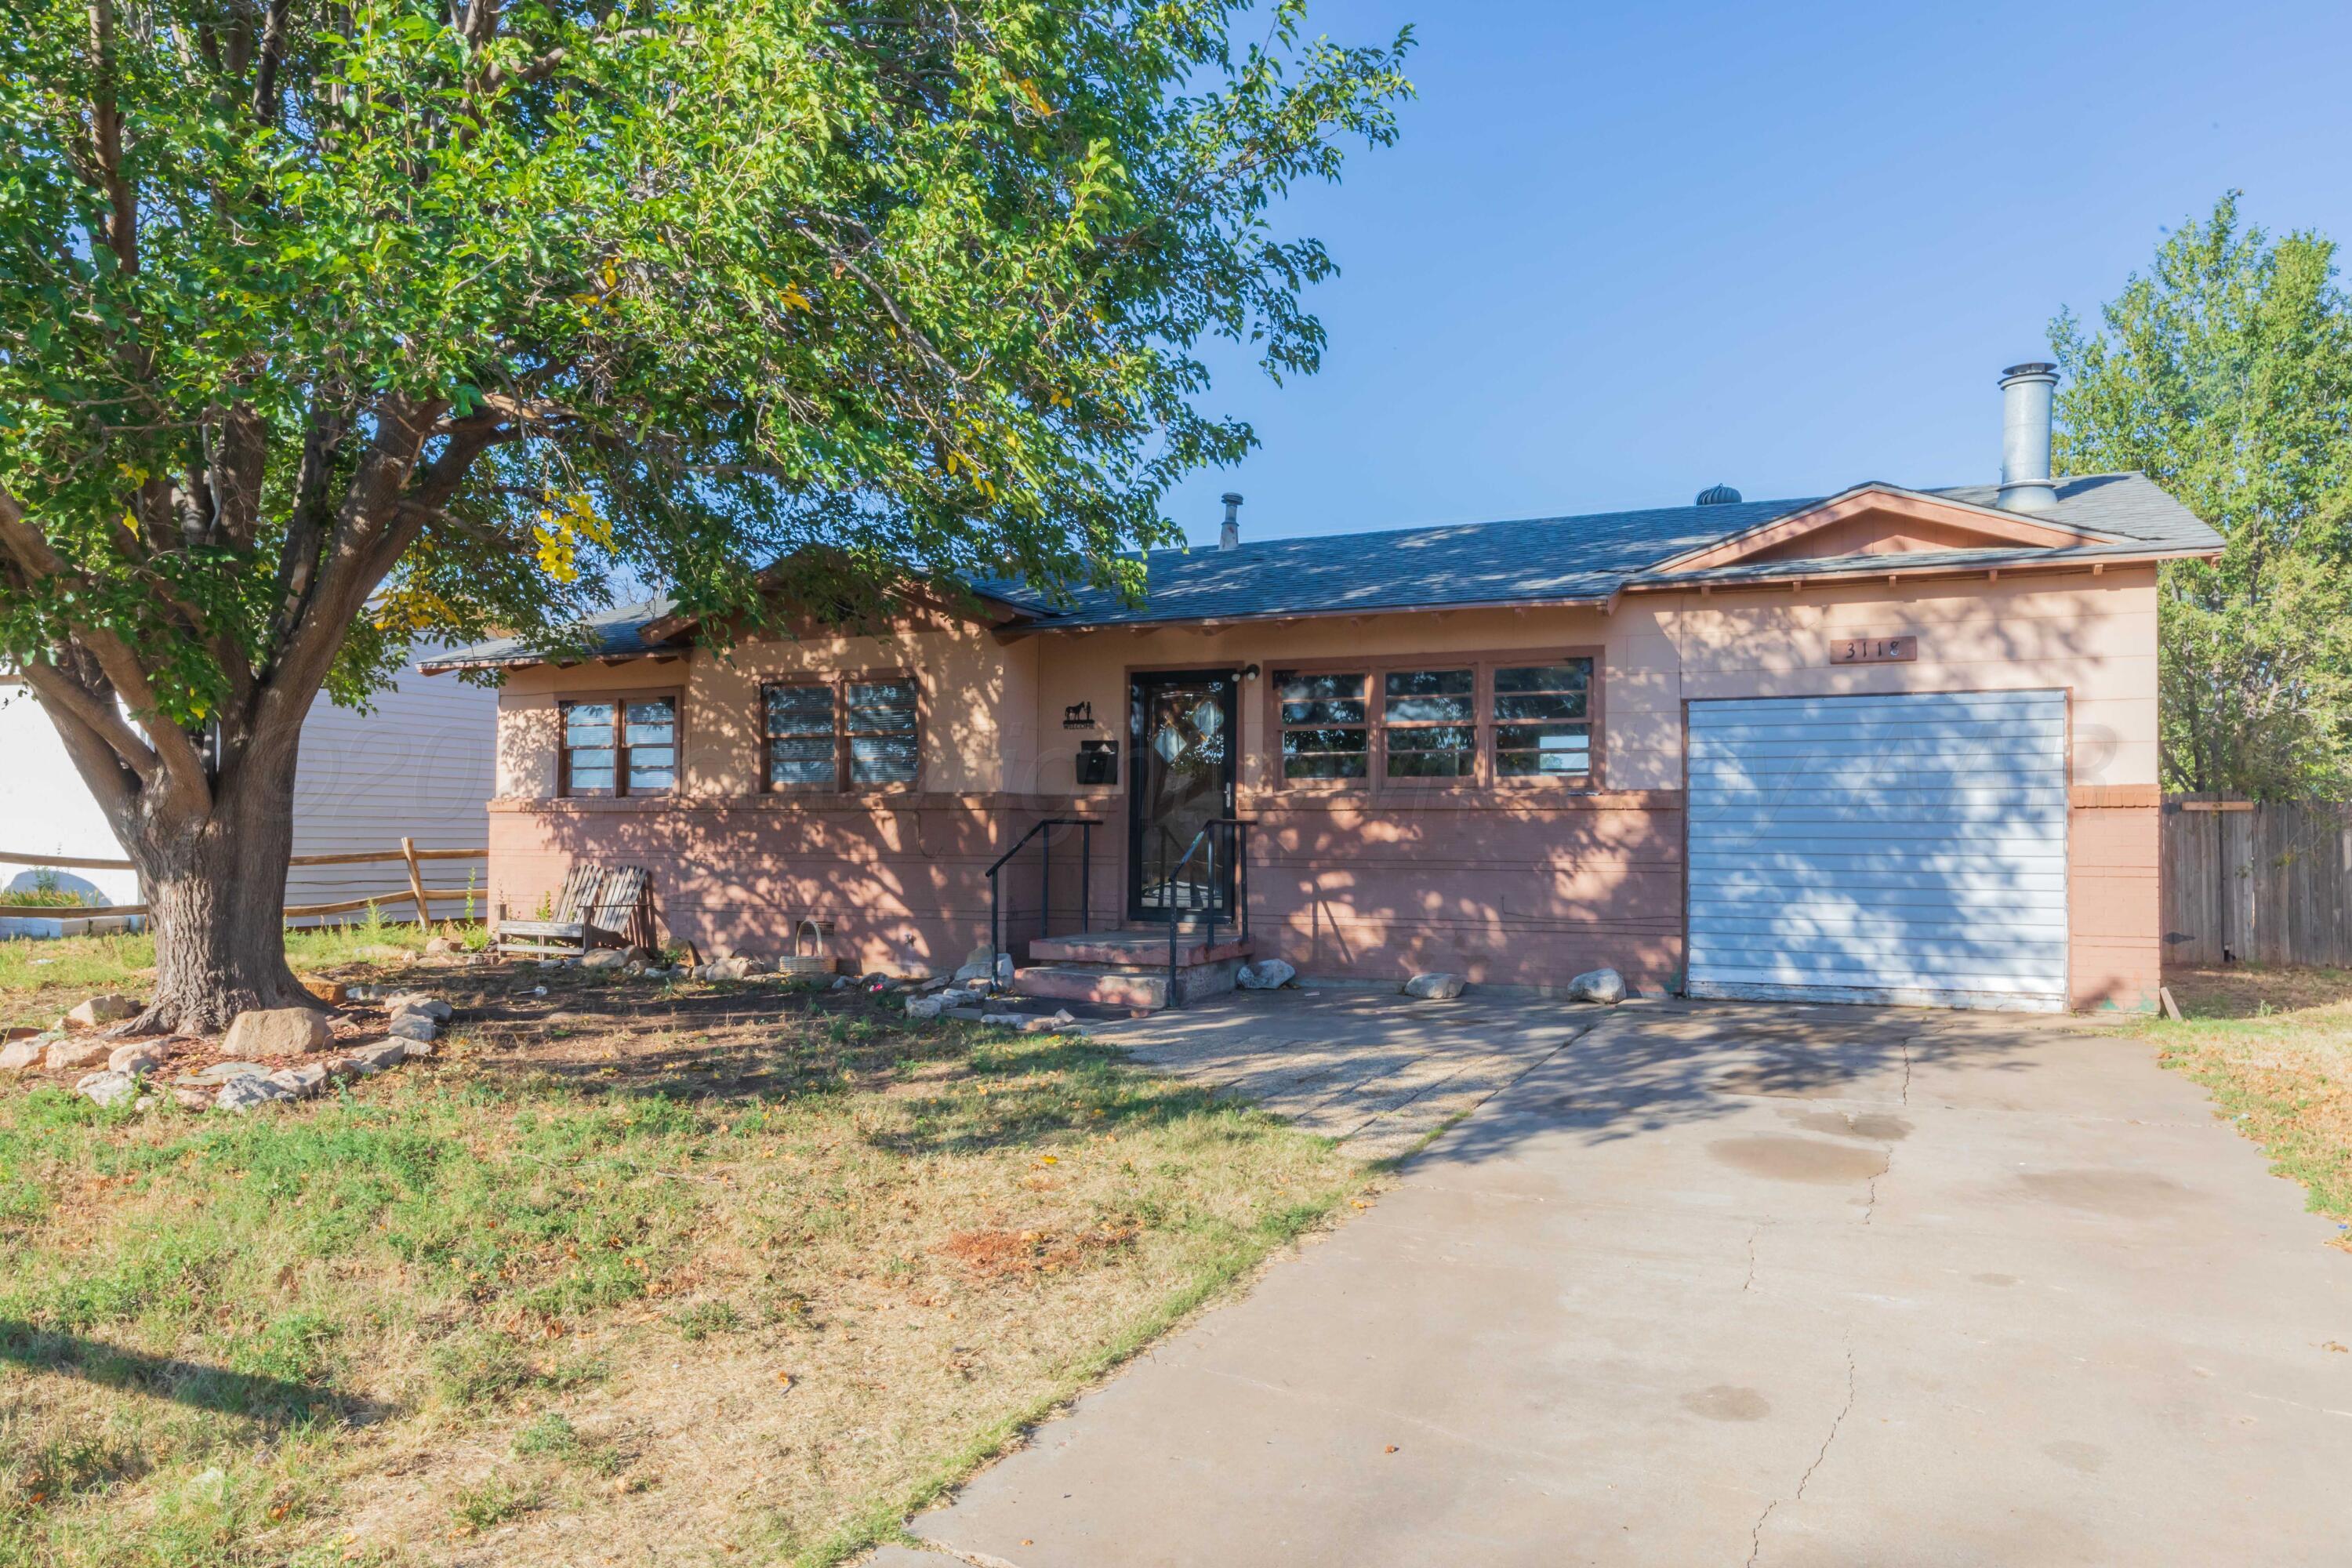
[1889, 744]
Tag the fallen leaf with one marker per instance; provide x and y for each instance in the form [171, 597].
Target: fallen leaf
[1390, 1449]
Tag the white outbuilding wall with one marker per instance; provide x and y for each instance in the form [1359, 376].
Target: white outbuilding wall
[419, 765]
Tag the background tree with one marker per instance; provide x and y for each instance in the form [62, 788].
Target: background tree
[322, 325]
[2225, 373]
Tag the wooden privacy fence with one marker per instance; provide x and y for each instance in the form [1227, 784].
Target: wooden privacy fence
[408, 854]
[2266, 881]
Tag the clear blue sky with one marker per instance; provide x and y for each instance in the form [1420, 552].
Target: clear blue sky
[1623, 252]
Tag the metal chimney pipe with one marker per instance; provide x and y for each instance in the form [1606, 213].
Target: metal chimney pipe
[2025, 390]
[1230, 536]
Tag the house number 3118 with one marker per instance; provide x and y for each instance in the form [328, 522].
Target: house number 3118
[1874, 650]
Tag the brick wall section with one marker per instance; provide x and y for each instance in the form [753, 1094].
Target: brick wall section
[903, 885]
[1527, 895]
[2115, 948]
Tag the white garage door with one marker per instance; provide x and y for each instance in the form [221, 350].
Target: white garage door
[1899, 848]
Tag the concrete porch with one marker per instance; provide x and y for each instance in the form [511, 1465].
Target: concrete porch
[1128, 968]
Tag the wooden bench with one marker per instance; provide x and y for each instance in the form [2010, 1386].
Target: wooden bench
[599, 907]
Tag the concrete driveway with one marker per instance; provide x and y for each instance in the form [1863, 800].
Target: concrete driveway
[1748, 1284]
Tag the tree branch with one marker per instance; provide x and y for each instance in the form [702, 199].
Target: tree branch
[265, 72]
[97, 716]
[106, 141]
[371, 530]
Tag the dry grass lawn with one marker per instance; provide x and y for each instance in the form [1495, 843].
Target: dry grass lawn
[2273, 1044]
[630, 1274]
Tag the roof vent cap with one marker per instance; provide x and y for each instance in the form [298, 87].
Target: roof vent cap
[1717, 494]
[1229, 537]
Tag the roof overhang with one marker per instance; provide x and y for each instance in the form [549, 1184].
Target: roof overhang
[1891, 568]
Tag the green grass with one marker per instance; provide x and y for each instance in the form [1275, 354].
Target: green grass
[40, 980]
[2273, 1045]
[870, 1253]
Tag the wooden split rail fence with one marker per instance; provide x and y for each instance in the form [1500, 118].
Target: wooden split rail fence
[408, 854]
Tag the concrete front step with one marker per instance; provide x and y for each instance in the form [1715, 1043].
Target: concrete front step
[1136, 989]
[1139, 947]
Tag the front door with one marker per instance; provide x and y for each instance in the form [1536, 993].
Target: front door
[1182, 739]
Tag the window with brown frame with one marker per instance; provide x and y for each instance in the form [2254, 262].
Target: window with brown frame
[1429, 723]
[620, 746]
[803, 752]
[1325, 732]
[878, 727]
[841, 734]
[1497, 719]
[1543, 719]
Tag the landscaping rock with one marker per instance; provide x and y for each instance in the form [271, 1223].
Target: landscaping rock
[217, 1074]
[73, 1056]
[439, 946]
[301, 1082]
[924, 1007]
[1265, 974]
[133, 1060]
[247, 1090]
[841, 983]
[106, 1087]
[369, 1060]
[1029, 1025]
[333, 993]
[101, 1011]
[1435, 987]
[979, 969]
[416, 1047]
[957, 996]
[188, 1098]
[1603, 985]
[741, 966]
[415, 1027]
[277, 1032]
[605, 958]
[432, 1007]
[23, 1056]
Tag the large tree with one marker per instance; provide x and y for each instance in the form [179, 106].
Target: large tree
[2225, 373]
[325, 325]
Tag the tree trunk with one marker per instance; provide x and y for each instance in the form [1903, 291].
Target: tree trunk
[215, 890]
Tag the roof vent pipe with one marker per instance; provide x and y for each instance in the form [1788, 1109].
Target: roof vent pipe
[1230, 536]
[2025, 392]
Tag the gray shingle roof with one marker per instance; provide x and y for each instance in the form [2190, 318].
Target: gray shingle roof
[616, 633]
[1533, 560]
